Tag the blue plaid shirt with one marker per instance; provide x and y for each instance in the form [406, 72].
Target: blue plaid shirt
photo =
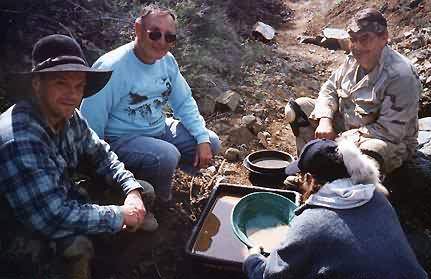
[36, 165]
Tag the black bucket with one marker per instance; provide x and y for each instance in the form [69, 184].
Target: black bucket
[266, 167]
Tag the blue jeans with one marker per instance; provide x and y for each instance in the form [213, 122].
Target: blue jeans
[155, 159]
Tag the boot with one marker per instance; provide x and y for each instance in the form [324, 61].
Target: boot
[295, 116]
[150, 223]
[79, 268]
[70, 268]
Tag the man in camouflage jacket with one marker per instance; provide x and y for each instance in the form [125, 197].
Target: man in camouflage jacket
[372, 98]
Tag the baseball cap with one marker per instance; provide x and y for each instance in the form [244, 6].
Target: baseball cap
[320, 158]
[367, 20]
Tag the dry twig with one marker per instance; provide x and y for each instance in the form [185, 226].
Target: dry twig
[191, 189]
[217, 115]
[77, 5]
[220, 169]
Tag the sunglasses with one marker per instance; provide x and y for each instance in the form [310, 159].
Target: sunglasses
[157, 35]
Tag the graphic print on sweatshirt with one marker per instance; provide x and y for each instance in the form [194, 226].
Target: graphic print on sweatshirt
[143, 106]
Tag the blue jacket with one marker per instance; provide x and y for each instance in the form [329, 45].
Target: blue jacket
[363, 242]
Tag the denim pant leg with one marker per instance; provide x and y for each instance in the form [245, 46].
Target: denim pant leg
[178, 135]
[150, 159]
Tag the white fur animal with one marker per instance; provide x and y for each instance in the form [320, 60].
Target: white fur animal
[361, 168]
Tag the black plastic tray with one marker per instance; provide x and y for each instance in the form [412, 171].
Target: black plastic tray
[214, 263]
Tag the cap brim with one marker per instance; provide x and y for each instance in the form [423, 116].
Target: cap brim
[292, 168]
[18, 85]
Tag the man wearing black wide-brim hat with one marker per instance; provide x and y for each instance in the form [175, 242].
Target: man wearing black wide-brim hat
[43, 140]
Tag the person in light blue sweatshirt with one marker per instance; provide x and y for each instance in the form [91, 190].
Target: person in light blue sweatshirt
[129, 112]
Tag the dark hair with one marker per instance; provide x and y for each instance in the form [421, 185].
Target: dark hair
[156, 9]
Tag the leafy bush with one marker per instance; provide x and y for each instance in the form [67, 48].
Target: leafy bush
[210, 51]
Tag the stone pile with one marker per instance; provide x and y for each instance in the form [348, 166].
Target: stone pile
[415, 44]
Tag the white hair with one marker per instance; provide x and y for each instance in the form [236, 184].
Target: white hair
[361, 168]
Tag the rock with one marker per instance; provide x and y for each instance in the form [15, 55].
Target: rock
[408, 34]
[211, 169]
[410, 184]
[428, 81]
[257, 126]
[262, 30]
[333, 39]
[340, 36]
[228, 100]
[410, 195]
[240, 135]
[262, 139]
[310, 40]
[414, 3]
[232, 155]
[248, 120]
[206, 104]
[230, 171]
[335, 33]
[425, 124]
[415, 43]
[258, 111]
[266, 134]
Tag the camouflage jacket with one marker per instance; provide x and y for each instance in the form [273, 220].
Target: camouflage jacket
[383, 104]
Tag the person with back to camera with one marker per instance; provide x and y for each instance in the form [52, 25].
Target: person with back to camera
[344, 229]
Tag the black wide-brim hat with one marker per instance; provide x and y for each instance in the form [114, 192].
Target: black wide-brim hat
[56, 53]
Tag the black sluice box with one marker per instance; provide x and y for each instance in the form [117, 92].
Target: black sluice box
[213, 244]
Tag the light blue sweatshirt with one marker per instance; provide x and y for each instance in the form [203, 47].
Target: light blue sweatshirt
[133, 100]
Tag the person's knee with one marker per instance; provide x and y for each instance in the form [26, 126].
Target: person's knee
[297, 113]
[170, 158]
[159, 160]
[301, 105]
[388, 156]
[215, 142]
[306, 104]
